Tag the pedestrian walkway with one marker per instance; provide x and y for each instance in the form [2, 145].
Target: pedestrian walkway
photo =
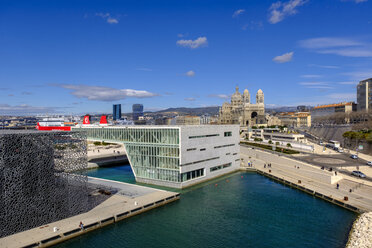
[130, 200]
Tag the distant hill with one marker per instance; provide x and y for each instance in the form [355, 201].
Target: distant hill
[210, 110]
[192, 111]
[281, 109]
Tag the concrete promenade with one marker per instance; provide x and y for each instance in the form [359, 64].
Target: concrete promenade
[128, 201]
[312, 179]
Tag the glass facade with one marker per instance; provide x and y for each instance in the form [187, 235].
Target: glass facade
[137, 111]
[116, 112]
[152, 152]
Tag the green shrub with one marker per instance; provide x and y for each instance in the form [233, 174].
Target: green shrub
[270, 142]
[289, 145]
[97, 143]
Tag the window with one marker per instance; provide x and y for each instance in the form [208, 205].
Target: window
[224, 146]
[203, 149]
[228, 134]
[192, 174]
[219, 167]
[203, 136]
[191, 149]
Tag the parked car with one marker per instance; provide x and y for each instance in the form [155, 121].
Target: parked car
[369, 163]
[353, 156]
[358, 174]
[340, 150]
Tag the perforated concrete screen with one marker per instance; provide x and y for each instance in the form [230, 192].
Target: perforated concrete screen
[36, 183]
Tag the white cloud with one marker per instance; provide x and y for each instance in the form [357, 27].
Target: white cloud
[316, 85]
[342, 96]
[238, 13]
[278, 11]
[25, 109]
[359, 75]
[222, 96]
[112, 20]
[338, 46]
[108, 18]
[190, 99]
[325, 66]
[326, 42]
[313, 83]
[311, 76]
[253, 25]
[349, 52]
[190, 73]
[283, 58]
[192, 44]
[99, 93]
[349, 83]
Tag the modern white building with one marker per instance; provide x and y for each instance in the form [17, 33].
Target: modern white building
[175, 156]
[274, 134]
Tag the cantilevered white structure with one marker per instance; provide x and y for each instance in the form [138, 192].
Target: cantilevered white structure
[175, 156]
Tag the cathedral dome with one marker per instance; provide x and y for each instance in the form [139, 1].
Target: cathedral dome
[259, 91]
[246, 92]
[236, 96]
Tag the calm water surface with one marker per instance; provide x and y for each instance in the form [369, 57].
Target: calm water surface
[243, 210]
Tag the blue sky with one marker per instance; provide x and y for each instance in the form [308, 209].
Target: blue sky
[83, 56]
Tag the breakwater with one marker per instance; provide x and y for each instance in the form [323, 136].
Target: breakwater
[361, 233]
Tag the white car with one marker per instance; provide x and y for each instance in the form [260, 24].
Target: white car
[369, 163]
[358, 174]
[353, 156]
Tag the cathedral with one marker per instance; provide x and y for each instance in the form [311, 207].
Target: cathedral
[241, 111]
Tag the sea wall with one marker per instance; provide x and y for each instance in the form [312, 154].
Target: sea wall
[335, 133]
[361, 233]
[330, 133]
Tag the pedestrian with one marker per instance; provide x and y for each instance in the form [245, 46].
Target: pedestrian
[264, 165]
[338, 186]
[81, 225]
[335, 173]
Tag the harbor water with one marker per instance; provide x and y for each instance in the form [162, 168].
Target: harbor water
[241, 210]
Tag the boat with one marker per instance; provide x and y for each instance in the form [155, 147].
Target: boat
[54, 124]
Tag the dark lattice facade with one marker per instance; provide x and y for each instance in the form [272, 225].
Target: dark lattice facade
[36, 183]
